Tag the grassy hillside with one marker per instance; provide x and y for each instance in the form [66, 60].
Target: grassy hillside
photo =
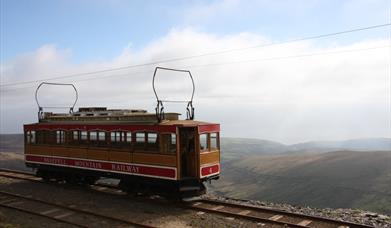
[344, 179]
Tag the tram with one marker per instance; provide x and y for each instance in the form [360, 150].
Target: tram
[148, 152]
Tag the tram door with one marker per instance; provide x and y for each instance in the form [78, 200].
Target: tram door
[188, 152]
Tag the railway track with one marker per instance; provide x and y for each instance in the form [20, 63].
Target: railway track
[268, 215]
[70, 215]
[261, 215]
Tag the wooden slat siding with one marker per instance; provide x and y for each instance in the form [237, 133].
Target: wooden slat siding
[209, 157]
[97, 154]
[58, 151]
[154, 159]
[120, 156]
[53, 150]
[75, 152]
[35, 149]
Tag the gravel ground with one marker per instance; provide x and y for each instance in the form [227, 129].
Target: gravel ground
[351, 215]
[123, 206]
[161, 215]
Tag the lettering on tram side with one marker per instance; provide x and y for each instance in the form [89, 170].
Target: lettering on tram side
[88, 164]
[125, 168]
[57, 161]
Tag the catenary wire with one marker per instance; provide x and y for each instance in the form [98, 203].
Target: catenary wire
[200, 55]
[226, 63]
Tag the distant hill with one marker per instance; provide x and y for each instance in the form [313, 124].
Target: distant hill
[233, 147]
[347, 179]
[365, 144]
[11, 142]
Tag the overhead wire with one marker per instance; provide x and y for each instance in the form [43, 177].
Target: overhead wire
[228, 62]
[196, 56]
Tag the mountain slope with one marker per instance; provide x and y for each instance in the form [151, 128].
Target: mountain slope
[335, 179]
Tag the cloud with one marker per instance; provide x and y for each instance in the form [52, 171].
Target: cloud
[292, 92]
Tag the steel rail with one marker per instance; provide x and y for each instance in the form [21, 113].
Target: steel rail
[80, 211]
[32, 178]
[16, 171]
[314, 219]
[242, 216]
[83, 211]
[41, 215]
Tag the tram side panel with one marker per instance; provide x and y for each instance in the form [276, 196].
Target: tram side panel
[209, 146]
[117, 160]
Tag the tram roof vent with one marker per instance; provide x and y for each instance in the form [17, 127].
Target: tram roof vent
[92, 109]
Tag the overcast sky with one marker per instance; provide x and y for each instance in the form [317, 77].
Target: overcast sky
[332, 88]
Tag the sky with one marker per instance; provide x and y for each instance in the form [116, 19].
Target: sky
[331, 88]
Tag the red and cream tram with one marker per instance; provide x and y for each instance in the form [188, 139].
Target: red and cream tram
[164, 154]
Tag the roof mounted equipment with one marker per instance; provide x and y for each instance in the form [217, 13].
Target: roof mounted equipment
[160, 103]
[40, 108]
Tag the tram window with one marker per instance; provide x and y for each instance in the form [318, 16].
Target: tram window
[173, 140]
[152, 138]
[214, 141]
[101, 136]
[168, 143]
[48, 137]
[31, 137]
[173, 143]
[68, 137]
[76, 135]
[140, 140]
[118, 139]
[93, 135]
[117, 136]
[140, 137]
[101, 139]
[204, 142]
[152, 142]
[38, 137]
[83, 137]
[60, 137]
[97, 138]
[129, 137]
[112, 136]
